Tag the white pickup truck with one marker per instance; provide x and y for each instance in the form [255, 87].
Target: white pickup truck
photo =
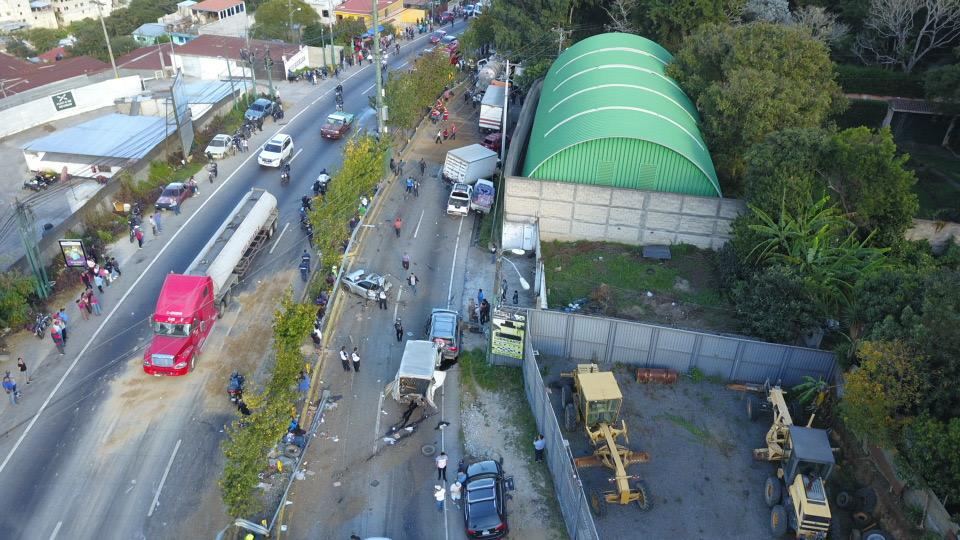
[458, 204]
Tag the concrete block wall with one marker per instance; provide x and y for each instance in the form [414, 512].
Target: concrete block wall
[570, 212]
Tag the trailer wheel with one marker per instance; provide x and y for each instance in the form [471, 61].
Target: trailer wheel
[598, 503]
[772, 491]
[644, 502]
[778, 521]
[570, 417]
[844, 500]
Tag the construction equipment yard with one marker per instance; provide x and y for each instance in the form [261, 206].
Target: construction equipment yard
[701, 479]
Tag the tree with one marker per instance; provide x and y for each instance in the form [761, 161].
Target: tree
[773, 305]
[344, 30]
[822, 24]
[15, 291]
[621, 16]
[749, 81]
[18, 48]
[409, 93]
[889, 296]
[668, 22]
[901, 33]
[870, 182]
[929, 450]
[773, 11]
[42, 39]
[274, 18]
[883, 392]
[943, 83]
[936, 336]
[784, 169]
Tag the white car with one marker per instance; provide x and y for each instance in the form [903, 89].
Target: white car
[458, 204]
[366, 285]
[276, 151]
[220, 146]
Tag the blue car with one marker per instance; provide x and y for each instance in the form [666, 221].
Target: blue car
[259, 109]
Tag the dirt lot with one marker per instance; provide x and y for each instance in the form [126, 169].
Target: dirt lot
[701, 476]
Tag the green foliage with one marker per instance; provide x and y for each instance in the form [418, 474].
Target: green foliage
[773, 305]
[532, 73]
[274, 18]
[410, 93]
[863, 112]
[668, 22]
[749, 81]
[120, 24]
[18, 48]
[878, 81]
[929, 449]
[16, 290]
[936, 336]
[883, 391]
[519, 29]
[42, 39]
[782, 170]
[345, 30]
[943, 83]
[246, 447]
[890, 294]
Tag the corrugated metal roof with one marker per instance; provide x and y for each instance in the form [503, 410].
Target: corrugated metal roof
[113, 135]
[208, 92]
[151, 30]
[608, 115]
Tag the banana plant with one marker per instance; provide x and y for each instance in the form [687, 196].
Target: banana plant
[811, 393]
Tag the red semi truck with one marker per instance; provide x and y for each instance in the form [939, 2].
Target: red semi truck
[190, 303]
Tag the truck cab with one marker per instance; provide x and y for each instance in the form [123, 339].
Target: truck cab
[419, 375]
[185, 314]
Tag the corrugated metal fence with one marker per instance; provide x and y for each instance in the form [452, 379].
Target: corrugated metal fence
[609, 341]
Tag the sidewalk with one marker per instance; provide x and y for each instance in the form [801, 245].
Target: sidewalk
[44, 364]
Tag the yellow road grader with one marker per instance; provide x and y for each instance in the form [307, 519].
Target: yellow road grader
[594, 401]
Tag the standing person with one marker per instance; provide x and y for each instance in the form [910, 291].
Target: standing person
[355, 356]
[64, 319]
[453, 132]
[10, 387]
[423, 166]
[440, 137]
[153, 224]
[416, 188]
[57, 338]
[409, 185]
[116, 266]
[439, 494]
[94, 303]
[22, 366]
[344, 359]
[382, 299]
[480, 296]
[516, 297]
[82, 306]
[138, 232]
[539, 444]
[400, 168]
[156, 220]
[98, 280]
[413, 280]
[244, 145]
[442, 466]
[398, 327]
[455, 493]
[397, 225]
[87, 280]
[405, 261]
[393, 166]
[304, 270]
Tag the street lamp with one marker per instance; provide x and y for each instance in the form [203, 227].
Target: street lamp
[523, 283]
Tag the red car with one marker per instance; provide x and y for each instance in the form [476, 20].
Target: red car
[173, 195]
[447, 17]
[492, 141]
[437, 36]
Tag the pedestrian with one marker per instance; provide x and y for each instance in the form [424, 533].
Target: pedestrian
[439, 494]
[355, 356]
[344, 359]
[516, 297]
[416, 188]
[453, 132]
[116, 266]
[22, 366]
[440, 137]
[305, 258]
[82, 306]
[94, 303]
[413, 280]
[480, 296]
[405, 261]
[138, 232]
[477, 312]
[397, 225]
[382, 299]
[455, 493]
[105, 275]
[64, 319]
[409, 185]
[442, 466]
[393, 166]
[400, 168]
[10, 387]
[503, 292]
[156, 220]
[445, 133]
[87, 280]
[153, 224]
[423, 166]
[304, 270]
[98, 280]
[398, 327]
[484, 311]
[539, 444]
[245, 145]
[57, 338]
[176, 209]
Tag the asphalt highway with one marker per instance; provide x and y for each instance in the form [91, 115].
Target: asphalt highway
[66, 470]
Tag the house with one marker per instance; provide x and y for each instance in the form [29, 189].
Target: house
[210, 11]
[30, 13]
[35, 76]
[325, 9]
[148, 33]
[150, 58]
[394, 11]
[211, 56]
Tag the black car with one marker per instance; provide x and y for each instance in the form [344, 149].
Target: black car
[484, 512]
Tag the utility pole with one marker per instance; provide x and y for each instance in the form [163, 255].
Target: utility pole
[561, 35]
[251, 60]
[290, 20]
[27, 227]
[330, 28]
[324, 45]
[233, 91]
[268, 63]
[378, 69]
[506, 119]
[116, 74]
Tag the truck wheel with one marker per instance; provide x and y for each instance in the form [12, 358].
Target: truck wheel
[565, 392]
[598, 503]
[223, 306]
[875, 535]
[844, 500]
[861, 519]
[644, 503]
[570, 417]
[772, 491]
[778, 521]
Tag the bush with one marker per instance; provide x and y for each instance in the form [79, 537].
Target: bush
[879, 81]
[863, 112]
[15, 291]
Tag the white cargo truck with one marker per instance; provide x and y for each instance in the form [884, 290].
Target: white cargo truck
[419, 375]
[468, 163]
[491, 108]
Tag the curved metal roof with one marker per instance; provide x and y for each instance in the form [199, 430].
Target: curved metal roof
[608, 115]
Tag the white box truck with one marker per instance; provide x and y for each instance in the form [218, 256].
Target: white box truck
[468, 163]
[419, 375]
[491, 108]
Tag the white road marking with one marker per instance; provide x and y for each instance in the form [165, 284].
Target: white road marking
[453, 265]
[277, 241]
[163, 479]
[295, 155]
[396, 304]
[376, 427]
[56, 530]
[369, 88]
[419, 221]
[400, 65]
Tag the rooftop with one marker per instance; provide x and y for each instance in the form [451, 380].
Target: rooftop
[215, 5]
[362, 6]
[11, 66]
[35, 76]
[210, 45]
[53, 55]
[112, 136]
[153, 30]
[146, 58]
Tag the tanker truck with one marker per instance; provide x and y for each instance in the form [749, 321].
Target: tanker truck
[191, 302]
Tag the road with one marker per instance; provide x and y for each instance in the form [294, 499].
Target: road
[109, 453]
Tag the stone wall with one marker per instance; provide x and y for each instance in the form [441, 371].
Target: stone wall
[570, 212]
[938, 233]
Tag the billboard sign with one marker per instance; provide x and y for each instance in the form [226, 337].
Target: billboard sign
[509, 329]
[74, 256]
[63, 100]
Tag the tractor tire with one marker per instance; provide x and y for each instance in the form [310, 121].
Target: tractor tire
[570, 417]
[778, 521]
[292, 451]
[861, 519]
[866, 499]
[772, 491]
[875, 535]
[565, 392]
[844, 500]
[753, 408]
[644, 503]
[598, 503]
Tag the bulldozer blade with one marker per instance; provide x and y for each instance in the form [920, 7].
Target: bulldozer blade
[746, 387]
[596, 461]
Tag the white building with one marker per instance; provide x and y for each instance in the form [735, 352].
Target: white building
[324, 9]
[33, 13]
[69, 11]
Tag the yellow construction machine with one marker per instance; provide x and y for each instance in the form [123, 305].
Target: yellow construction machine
[594, 401]
[797, 494]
